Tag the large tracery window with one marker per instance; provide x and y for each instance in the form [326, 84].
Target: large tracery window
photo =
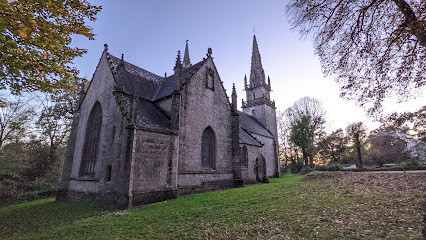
[91, 142]
[244, 156]
[208, 149]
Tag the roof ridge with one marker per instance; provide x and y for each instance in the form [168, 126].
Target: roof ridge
[195, 66]
[257, 121]
[133, 65]
[245, 130]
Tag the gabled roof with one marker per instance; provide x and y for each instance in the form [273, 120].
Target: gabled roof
[145, 83]
[149, 116]
[245, 138]
[168, 85]
[148, 85]
[251, 125]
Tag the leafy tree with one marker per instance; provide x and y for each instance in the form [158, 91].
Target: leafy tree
[307, 119]
[302, 136]
[357, 132]
[333, 145]
[35, 36]
[14, 117]
[373, 47]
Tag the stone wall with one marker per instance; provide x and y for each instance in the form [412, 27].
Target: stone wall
[153, 174]
[112, 145]
[203, 107]
[268, 153]
[248, 173]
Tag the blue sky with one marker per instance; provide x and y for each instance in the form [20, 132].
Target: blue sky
[149, 33]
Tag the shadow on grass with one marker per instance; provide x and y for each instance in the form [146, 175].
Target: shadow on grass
[40, 215]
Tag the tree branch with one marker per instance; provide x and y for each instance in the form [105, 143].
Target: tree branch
[416, 27]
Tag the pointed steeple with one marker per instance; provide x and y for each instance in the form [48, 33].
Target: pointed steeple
[257, 75]
[186, 60]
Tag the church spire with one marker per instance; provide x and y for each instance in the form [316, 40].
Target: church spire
[257, 75]
[186, 60]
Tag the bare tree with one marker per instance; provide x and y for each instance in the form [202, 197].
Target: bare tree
[14, 117]
[284, 128]
[412, 123]
[372, 47]
[54, 123]
[357, 132]
[386, 148]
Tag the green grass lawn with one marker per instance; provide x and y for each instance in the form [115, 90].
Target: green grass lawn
[286, 208]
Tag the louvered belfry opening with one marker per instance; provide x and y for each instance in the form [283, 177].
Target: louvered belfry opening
[244, 156]
[91, 142]
[208, 149]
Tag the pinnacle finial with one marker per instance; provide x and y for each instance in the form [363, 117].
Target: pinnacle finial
[209, 52]
[122, 57]
[178, 62]
[186, 60]
[234, 98]
[106, 47]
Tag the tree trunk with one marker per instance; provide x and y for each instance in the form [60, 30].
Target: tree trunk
[358, 149]
[305, 157]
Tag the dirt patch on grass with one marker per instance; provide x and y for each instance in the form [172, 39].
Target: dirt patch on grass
[375, 205]
[366, 181]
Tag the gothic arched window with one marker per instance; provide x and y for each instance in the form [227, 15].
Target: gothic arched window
[208, 149]
[91, 141]
[244, 156]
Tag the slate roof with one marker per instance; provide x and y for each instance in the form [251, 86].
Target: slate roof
[245, 138]
[151, 117]
[168, 85]
[250, 124]
[136, 78]
[150, 86]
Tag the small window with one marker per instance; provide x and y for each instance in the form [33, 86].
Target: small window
[209, 80]
[244, 156]
[108, 173]
[208, 149]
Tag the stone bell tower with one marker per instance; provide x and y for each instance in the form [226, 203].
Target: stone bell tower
[259, 104]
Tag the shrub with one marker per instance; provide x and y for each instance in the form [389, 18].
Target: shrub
[306, 170]
[296, 166]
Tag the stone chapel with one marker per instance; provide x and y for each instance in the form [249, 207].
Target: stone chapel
[138, 138]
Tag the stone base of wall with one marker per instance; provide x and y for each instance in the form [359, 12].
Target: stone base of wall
[117, 200]
[111, 198]
[205, 187]
[141, 198]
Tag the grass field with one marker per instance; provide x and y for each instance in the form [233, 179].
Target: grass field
[321, 206]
